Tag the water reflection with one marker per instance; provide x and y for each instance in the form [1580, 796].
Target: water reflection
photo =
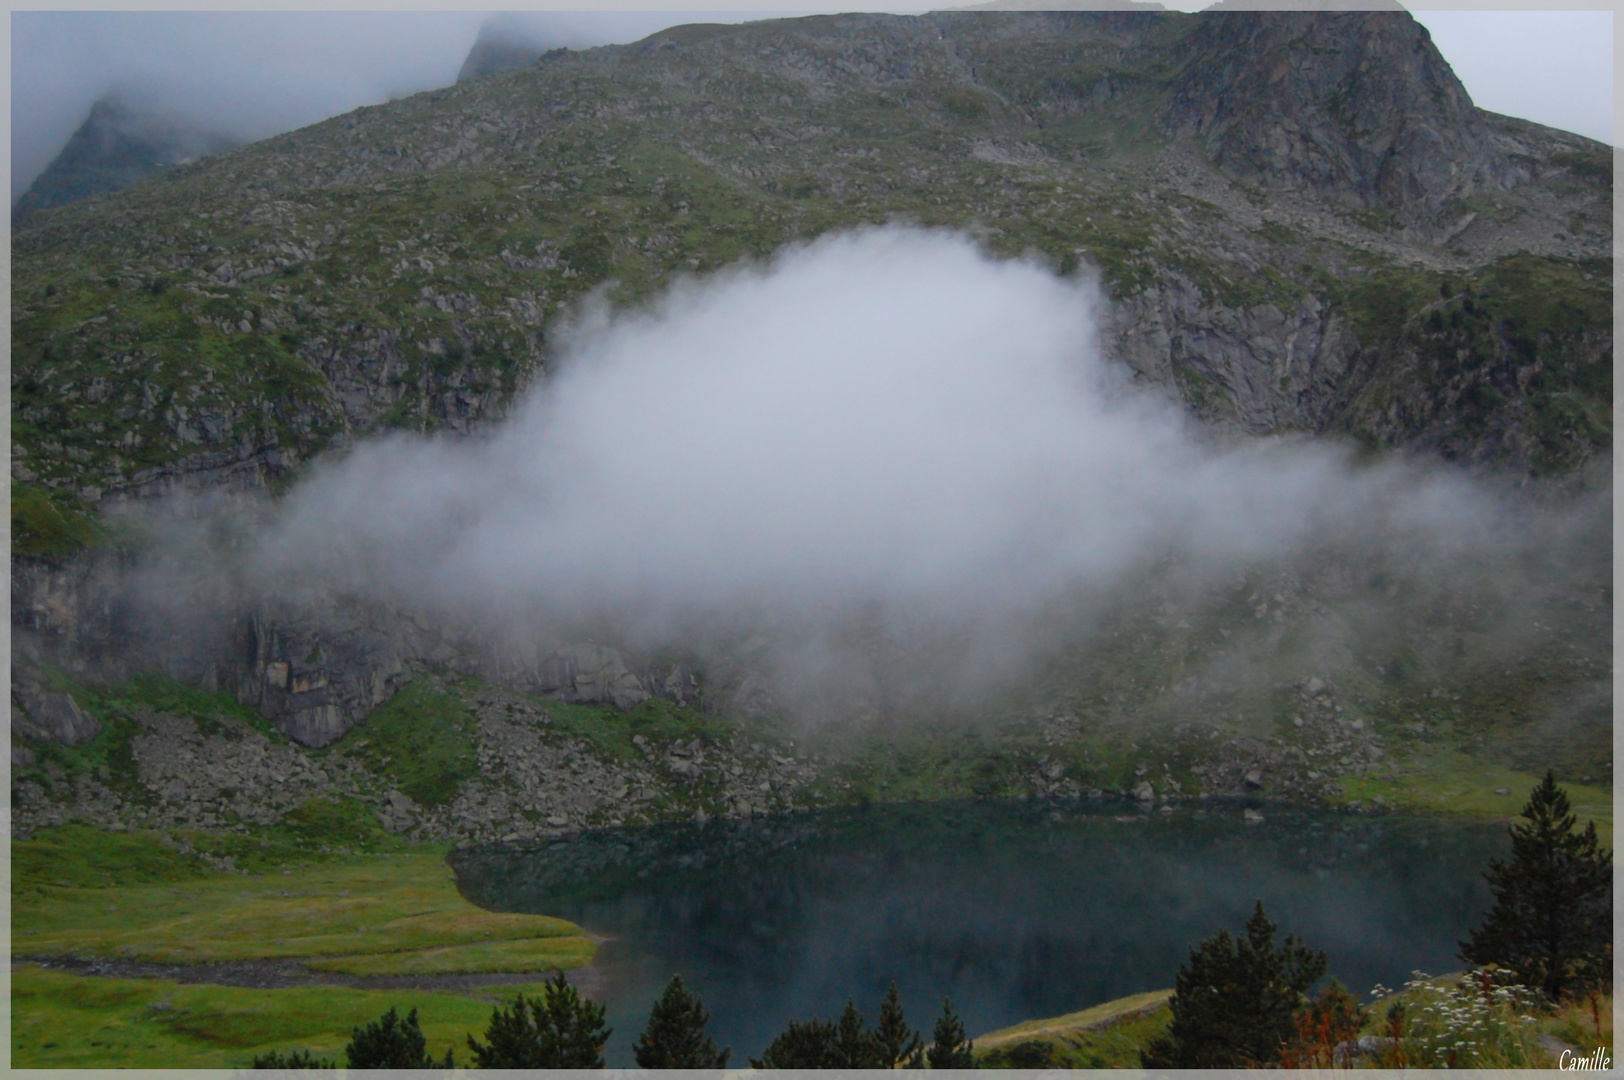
[1015, 910]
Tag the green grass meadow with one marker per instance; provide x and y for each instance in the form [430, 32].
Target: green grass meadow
[70, 1021]
[78, 892]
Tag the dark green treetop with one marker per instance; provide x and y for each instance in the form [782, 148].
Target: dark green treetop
[950, 1048]
[675, 1037]
[894, 1042]
[560, 1030]
[805, 1044]
[392, 1043]
[1234, 1001]
[846, 1043]
[296, 1059]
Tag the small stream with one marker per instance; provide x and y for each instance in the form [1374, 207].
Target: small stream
[1016, 910]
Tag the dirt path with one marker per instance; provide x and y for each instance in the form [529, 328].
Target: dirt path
[281, 974]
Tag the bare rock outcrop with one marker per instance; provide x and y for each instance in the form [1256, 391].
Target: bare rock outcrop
[1358, 107]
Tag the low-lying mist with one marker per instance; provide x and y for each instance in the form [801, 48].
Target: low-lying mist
[884, 448]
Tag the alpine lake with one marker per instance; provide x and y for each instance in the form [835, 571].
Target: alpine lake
[1015, 910]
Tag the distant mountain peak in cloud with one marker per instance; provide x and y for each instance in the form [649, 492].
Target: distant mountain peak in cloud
[503, 44]
[121, 142]
[513, 39]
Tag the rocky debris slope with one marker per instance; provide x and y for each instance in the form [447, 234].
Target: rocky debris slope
[536, 780]
[533, 781]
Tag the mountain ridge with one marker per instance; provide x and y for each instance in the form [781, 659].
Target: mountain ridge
[998, 102]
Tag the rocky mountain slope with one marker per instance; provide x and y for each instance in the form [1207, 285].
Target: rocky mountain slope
[1301, 220]
[1280, 202]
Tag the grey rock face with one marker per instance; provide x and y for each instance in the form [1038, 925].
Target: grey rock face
[1356, 106]
[593, 673]
[687, 770]
[314, 665]
[318, 671]
[1276, 370]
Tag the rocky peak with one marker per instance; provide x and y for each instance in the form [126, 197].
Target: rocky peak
[1359, 107]
[493, 53]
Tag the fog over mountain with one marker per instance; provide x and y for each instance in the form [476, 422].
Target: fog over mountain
[255, 74]
[883, 432]
[883, 416]
[510, 39]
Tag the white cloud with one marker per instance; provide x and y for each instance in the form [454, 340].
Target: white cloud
[886, 418]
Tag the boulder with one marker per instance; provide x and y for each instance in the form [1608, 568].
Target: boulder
[679, 685]
[50, 716]
[588, 674]
[688, 770]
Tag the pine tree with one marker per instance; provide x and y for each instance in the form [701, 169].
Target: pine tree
[1552, 919]
[511, 1039]
[846, 1043]
[572, 1027]
[805, 1044]
[675, 1037]
[894, 1041]
[560, 1030]
[390, 1043]
[949, 1048]
[1234, 1001]
[854, 1042]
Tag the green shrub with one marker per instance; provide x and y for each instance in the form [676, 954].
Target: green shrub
[1235, 1000]
[335, 823]
[297, 1059]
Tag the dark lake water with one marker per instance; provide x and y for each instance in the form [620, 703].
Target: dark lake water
[1015, 910]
